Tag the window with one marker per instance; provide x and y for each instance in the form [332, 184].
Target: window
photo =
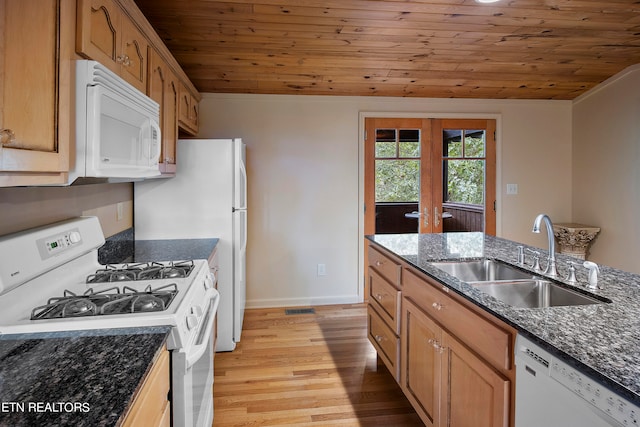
[397, 165]
[464, 162]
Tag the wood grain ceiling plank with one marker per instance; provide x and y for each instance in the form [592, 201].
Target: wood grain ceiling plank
[413, 90]
[401, 48]
[390, 59]
[428, 21]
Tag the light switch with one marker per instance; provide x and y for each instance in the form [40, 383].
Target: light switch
[512, 188]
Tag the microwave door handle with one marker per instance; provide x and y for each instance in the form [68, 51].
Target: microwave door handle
[196, 352]
[158, 145]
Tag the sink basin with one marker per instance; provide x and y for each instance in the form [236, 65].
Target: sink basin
[482, 270]
[534, 294]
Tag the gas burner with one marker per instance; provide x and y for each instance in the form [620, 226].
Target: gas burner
[144, 271]
[78, 307]
[108, 301]
[146, 302]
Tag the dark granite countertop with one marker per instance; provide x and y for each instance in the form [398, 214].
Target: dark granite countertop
[601, 340]
[172, 250]
[77, 378]
[123, 247]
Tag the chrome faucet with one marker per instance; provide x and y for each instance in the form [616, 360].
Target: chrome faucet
[551, 264]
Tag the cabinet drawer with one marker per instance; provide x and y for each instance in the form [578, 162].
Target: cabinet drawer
[386, 343]
[386, 299]
[388, 268]
[486, 338]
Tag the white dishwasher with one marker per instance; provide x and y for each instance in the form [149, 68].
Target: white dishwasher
[551, 393]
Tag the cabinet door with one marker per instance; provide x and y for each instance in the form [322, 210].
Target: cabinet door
[474, 394]
[184, 106]
[162, 90]
[170, 129]
[98, 33]
[30, 90]
[150, 406]
[194, 117]
[187, 110]
[134, 55]
[421, 363]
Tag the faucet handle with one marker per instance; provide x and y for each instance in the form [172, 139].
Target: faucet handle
[571, 276]
[520, 255]
[536, 260]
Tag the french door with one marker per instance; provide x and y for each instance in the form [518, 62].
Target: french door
[439, 165]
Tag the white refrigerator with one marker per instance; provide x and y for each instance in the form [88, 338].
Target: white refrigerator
[207, 198]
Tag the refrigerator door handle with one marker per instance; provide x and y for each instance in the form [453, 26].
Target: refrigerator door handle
[243, 247]
[243, 173]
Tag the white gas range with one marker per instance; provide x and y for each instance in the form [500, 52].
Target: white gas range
[50, 280]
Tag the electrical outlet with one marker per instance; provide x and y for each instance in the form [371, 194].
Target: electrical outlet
[512, 188]
[322, 270]
[119, 211]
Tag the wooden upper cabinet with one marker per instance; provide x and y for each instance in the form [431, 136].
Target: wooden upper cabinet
[106, 34]
[134, 59]
[163, 88]
[36, 45]
[188, 110]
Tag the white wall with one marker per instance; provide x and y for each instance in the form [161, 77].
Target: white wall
[304, 170]
[606, 168]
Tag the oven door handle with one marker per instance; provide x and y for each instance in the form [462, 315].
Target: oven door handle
[196, 352]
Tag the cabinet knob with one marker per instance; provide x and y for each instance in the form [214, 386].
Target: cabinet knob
[7, 136]
[124, 60]
[379, 297]
[379, 338]
[437, 306]
[436, 345]
[379, 263]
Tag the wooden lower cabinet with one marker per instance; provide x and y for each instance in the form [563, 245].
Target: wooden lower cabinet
[477, 395]
[421, 363]
[452, 359]
[448, 384]
[151, 407]
[383, 311]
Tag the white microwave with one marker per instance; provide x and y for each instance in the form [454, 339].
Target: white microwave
[117, 133]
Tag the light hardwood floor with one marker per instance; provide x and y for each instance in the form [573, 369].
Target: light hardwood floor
[307, 370]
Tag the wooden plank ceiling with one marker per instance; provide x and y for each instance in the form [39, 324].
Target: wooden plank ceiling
[528, 49]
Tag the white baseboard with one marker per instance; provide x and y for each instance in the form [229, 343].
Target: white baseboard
[297, 302]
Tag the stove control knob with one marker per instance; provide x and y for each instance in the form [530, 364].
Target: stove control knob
[192, 321]
[74, 237]
[208, 282]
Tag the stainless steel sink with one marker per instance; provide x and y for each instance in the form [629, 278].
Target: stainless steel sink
[482, 270]
[535, 293]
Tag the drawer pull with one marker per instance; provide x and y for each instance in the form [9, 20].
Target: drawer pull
[437, 306]
[379, 297]
[379, 338]
[379, 263]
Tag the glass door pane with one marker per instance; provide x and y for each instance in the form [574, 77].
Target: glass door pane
[397, 179]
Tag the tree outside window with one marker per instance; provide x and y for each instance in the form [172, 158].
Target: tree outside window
[397, 165]
[464, 166]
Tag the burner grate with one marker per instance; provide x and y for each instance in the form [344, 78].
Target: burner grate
[108, 301]
[141, 271]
